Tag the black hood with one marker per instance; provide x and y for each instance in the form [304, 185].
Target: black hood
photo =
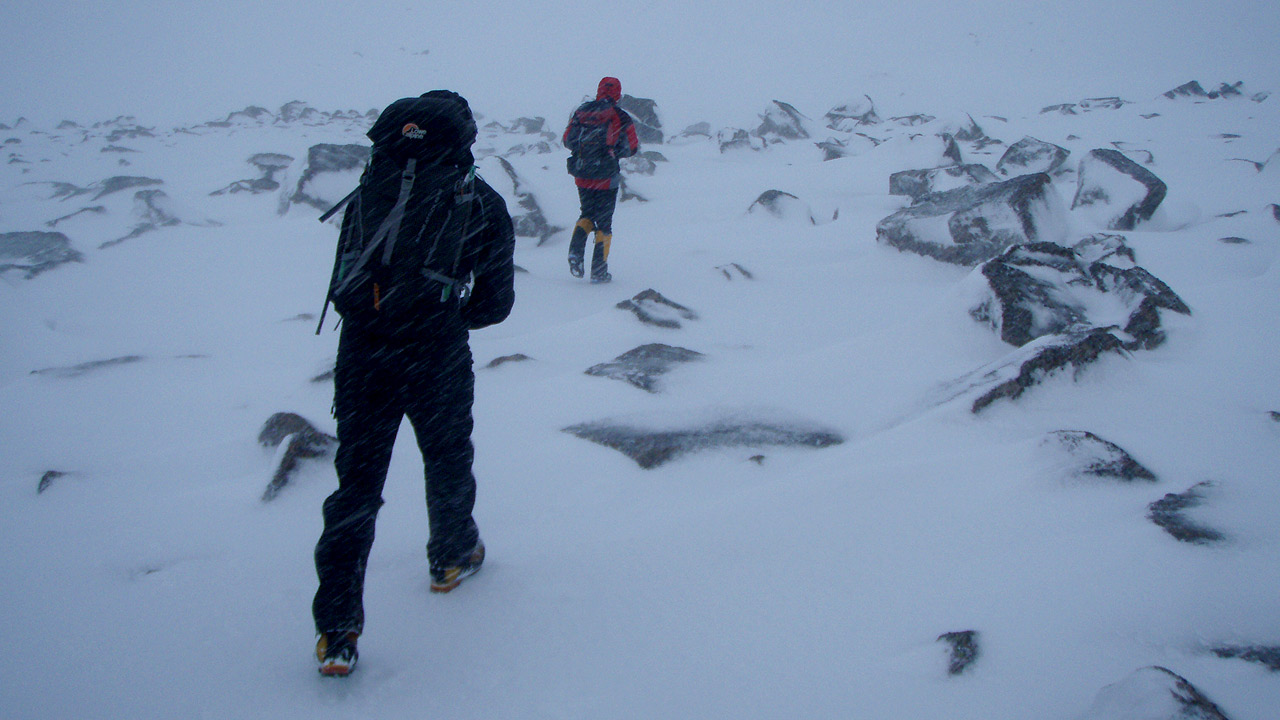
[435, 128]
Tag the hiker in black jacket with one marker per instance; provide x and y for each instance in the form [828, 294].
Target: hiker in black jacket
[404, 348]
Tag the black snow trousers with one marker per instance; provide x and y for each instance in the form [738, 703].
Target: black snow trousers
[597, 215]
[378, 381]
[598, 206]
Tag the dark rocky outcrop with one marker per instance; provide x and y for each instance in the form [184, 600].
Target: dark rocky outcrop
[916, 184]
[964, 650]
[1195, 91]
[46, 480]
[327, 158]
[737, 139]
[1168, 513]
[532, 222]
[1040, 289]
[1037, 361]
[87, 367]
[1267, 656]
[154, 210]
[1092, 456]
[1121, 192]
[781, 121]
[300, 439]
[268, 164]
[500, 361]
[1030, 155]
[1153, 693]
[654, 309]
[973, 224]
[642, 366]
[644, 114]
[734, 268]
[34, 252]
[653, 447]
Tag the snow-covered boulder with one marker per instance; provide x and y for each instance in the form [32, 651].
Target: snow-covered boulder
[851, 115]
[642, 366]
[331, 173]
[781, 121]
[1152, 693]
[1030, 155]
[526, 212]
[1041, 289]
[918, 183]
[975, 223]
[964, 650]
[738, 139]
[1081, 454]
[654, 441]
[653, 308]
[1035, 363]
[34, 252]
[1195, 91]
[154, 209]
[297, 439]
[1115, 191]
[644, 113]
[268, 164]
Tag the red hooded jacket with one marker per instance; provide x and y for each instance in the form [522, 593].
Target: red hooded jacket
[609, 125]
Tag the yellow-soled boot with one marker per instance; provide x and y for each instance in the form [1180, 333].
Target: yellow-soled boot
[600, 258]
[578, 245]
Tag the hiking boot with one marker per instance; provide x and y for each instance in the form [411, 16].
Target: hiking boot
[445, 579]
[575, 265]
[604, 277]
[336, 653]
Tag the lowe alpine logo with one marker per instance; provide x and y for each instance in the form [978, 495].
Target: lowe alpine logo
[413, 132]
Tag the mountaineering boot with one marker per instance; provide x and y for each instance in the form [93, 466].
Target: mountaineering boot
[336, 653]
[600, 258]
[578, 245]
[444, 579]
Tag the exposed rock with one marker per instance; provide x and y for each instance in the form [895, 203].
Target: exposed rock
[532, 222]
[918, 183]
[528, 126]
[1195, 91]
[1091, 455]
[625, 192]
[853, 114]
[696, 132]
[964, 650]
[738, 139]
[1041, 289]
[637, 165]
[499, 361]
[969, 132]
[781, 121]
[1030, 155]
[324, 159]
[1035, 362]
[1275, 415]
[300, 440]
[731, 268]
[1275, 211]
[87, 367]
[644, 114]
[1135, 153]
[268, 164]
[651, 447]
[975, 223]
[1121, 192]
[785, 206]
[912, 120]
[1102, 246]
[1268, 656]
[643, 365]
[154, 209]
[1152, 693]
[95, 209]
[34, 252]
[654, 309]
[1234, 240]
[47, 479]
[1167, 512]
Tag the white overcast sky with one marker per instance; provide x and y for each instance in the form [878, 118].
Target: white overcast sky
[177, 62]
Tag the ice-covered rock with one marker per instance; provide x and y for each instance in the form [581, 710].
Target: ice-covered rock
[1195, 91]
[782, 121]
[268, 164]
[34, 252]
[653, 308]
[297, 439]
[1030, 155]
[653, 442]
[642, 366]
[975, 223]
[785, 206]
[918, 183]
[644, 113]
[1115, 191]
[738, 139]
[1152, 693]
[526, 213]
[964, 650]
[1169, 512]
[1042, 289]
[331, 173]
[1083, 454]
[853, 114]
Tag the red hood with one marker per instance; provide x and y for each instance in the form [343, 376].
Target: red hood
[610, 89]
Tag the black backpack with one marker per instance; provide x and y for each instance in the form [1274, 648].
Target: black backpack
[408, 222]
[593, 157]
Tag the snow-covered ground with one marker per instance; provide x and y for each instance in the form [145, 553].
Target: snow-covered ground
[150, 580]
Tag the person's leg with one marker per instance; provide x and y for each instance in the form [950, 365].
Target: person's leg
[442, 393]
[603, 203]
[578, 241]
[368, 416]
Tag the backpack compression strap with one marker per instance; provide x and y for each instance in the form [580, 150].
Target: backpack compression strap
[390, 225]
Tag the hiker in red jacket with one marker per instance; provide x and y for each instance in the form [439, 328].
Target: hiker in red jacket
[599, 135]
